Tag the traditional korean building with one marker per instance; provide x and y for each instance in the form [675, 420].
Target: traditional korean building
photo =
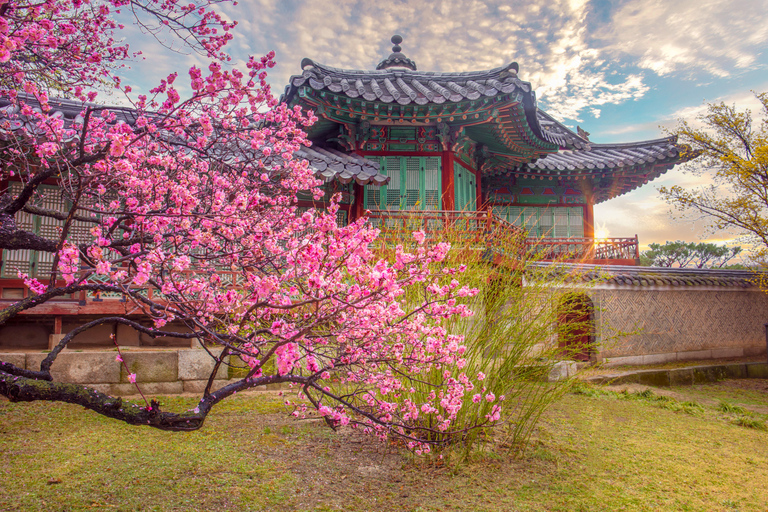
[474, 141]
[470, 145]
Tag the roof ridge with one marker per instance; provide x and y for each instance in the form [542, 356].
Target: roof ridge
[401, 72]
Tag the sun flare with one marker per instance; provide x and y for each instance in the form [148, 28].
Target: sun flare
[601, 231]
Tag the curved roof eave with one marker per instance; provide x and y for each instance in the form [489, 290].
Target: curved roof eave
[405, 87]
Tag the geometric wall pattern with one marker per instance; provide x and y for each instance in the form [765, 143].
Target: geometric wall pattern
[664, 321]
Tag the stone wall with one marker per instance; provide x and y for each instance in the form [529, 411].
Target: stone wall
[38, 333]
[669, 324]
[157, 372]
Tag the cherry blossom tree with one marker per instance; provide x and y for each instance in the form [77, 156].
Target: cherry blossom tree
[185, 207]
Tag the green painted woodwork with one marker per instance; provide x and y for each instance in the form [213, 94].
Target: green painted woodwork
[465, 188]
[537, 199]
[35, 263]
[415, 184]
[547, 221]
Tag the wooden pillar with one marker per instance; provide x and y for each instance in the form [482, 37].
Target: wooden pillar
[448, 194]
[57, 325]
[589, 221]
[357, 209]
[587, 189]
[479, 193]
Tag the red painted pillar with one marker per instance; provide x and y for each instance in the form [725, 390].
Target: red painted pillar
[357, 209]
[449, 199]
[589, 221]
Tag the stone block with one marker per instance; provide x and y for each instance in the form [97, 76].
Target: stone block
[54, 339]
[721, 353]
[659, 358]
[694, 355]
[24, 336]
[703, 374]
[167, 341]
[757, 370]
[99, 335]
[559, 371]
[198, 386]
[755, 350]
[681, 377]
[148, 388]
[735, 371]
[197, 365]
[658, 378]
[600, 379]
[101, 388]
[618, 361]
[151, 366]
[16, 359]
[80, 367]
[127, 336]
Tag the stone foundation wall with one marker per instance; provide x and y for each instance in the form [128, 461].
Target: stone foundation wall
[38, 333]
[669, 324]
[157, 372]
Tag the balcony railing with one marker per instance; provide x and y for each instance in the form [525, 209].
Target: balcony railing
[585, 248]
[485, 228]
[466, 225]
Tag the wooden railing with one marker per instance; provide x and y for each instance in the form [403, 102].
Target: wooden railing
[585, 248]
[483, 227]
[466, 225]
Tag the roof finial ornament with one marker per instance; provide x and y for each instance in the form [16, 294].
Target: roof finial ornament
[396, 40]
[397, 59]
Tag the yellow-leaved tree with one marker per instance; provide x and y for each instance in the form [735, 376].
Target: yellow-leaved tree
[734, 148]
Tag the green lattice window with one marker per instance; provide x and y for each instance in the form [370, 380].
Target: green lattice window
[465, 188]
[548, 222]
[414, 184]
[34, 263]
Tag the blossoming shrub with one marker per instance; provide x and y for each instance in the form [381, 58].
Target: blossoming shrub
[510, 344]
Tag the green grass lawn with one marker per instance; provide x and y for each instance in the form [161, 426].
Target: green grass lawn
[595, 450]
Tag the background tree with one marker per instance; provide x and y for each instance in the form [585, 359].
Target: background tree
[734, 149]
[688, 254]
[186, 209]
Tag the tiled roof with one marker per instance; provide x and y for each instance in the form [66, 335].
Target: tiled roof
[404, 86]
[609, 156]
[625, 167]
[327, 164]
[331, 164]
[640, 277]
[559, 134]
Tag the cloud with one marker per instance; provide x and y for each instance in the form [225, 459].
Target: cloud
[700, 37]
[743, 100]
[550, 41]
[579, 55]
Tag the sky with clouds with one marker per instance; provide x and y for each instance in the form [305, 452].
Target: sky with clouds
[624, 70]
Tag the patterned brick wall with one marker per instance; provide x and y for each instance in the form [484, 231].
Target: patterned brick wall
[665, 321]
